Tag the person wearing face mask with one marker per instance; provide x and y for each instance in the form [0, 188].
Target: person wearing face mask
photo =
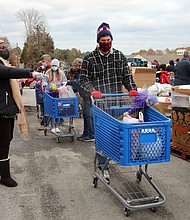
[10, 106]
[105, 70]
[57, 76]
[44, 65]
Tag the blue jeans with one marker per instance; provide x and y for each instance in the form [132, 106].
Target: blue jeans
[87, 113]
[88, 118]
[54, 122]
[44, 117]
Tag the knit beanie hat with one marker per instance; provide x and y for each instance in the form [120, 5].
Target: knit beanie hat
[103, 29]
[55, 62]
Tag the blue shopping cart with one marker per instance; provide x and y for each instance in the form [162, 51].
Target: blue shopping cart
[131, 145]
[60, 108]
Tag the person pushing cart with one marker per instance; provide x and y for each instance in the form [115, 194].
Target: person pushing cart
[104, 71]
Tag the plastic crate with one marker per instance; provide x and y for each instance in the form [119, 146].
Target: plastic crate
[131, 144]
[60, 107]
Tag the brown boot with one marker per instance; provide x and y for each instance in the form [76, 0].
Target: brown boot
[5, 174]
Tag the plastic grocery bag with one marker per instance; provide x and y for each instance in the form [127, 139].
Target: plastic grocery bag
[66, 92]
[128, 118]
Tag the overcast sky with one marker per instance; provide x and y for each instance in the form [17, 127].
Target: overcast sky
[135, 24]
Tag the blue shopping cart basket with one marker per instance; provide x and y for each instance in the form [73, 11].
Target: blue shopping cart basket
[60, 107]
[130, 144]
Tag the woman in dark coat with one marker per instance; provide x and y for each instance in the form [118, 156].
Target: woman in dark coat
[8, 110]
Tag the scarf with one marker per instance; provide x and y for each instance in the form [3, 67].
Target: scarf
[21, 119]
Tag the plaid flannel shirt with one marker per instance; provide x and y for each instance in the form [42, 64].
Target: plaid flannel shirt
[106, 73]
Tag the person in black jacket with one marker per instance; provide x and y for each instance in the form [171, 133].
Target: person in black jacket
[8, 110]
[182, 73]
[88, 132]
[171, 67]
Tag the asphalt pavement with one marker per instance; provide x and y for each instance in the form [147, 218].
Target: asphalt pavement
[55, 180]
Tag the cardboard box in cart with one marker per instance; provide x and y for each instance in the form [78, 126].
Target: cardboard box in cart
[181, 117]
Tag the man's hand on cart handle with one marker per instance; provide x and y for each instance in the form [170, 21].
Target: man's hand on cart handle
[133, 93]
[96, 94]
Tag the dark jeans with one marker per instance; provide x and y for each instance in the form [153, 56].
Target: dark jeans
[44, 118]
[6, 135]
[88, 118]
[87, 112]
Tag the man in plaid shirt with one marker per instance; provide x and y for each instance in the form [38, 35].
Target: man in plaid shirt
[105, 70]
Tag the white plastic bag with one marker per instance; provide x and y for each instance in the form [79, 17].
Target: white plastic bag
[66, 92]
[128, 118]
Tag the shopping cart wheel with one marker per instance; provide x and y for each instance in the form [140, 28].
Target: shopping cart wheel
[126, 212]
[45, 131]
[95, 182]
[153, 209]
[57, 139]
[139, 176]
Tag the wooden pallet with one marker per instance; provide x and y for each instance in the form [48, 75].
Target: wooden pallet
[181, 153]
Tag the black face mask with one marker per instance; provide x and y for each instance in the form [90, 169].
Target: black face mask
[4, 54]
[73, 71]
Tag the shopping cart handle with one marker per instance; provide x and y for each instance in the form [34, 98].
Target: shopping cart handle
[110, 95]
[115, 94]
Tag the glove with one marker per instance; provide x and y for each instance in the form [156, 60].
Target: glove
[37, 75]
[133, 93]
[96, 94]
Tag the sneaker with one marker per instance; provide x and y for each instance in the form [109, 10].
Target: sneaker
[88, 139]
[57, 130]
[80, 138]
[92, 137]
[41, 127]
[106, 175]
[53, 130]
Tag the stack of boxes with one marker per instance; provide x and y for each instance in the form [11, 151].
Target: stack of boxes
[181, 118]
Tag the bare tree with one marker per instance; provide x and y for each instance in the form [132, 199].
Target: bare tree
[38, 41]
[31, 19]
